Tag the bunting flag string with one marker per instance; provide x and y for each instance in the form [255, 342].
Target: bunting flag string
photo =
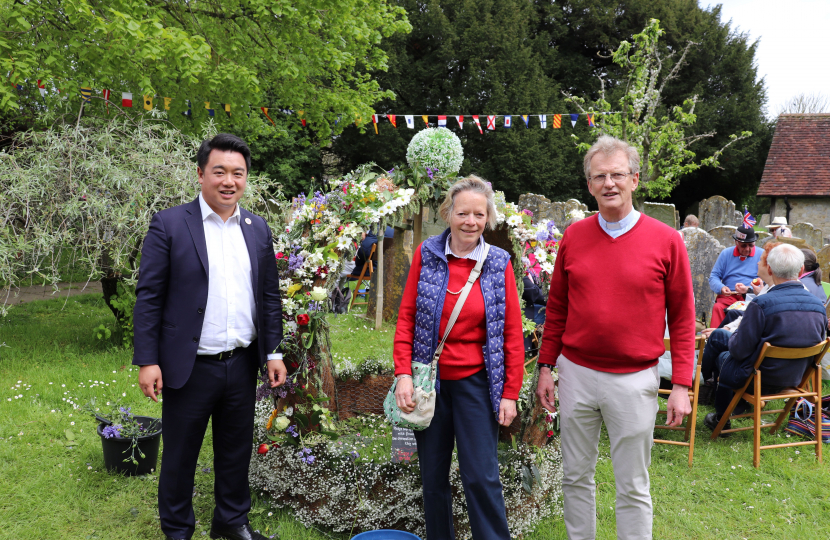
[557, 121]
[426, 119]
[543, 121]
[478, 124]
[375, 122]
[574, 118]
[491, 122]
[442, 121]
[525, 118]
[508, 121]
[391, 118]
[460, 120]
[410, 121]
[126, 99]
[148, 103]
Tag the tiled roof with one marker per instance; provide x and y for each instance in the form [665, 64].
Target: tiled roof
[799, 158]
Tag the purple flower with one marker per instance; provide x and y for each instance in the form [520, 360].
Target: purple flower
[305, 456]
[292, 430]
[542, 236]
[353, 455]
[111, 431]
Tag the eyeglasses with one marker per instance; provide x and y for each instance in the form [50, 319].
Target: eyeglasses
[615, 177]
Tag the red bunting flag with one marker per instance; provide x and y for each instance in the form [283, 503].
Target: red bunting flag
[302, 117]
[591, 120]
[107, 94]
[375, 123]
[491, 122]
[460, 120]
[478, 124]
[265, 112]
[392, 121]
[41, 88]
[126, 99]
[442, 121]
[557, 121]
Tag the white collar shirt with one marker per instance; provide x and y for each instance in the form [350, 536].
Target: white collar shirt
[619, 228]
[231, 310]
[475, 254]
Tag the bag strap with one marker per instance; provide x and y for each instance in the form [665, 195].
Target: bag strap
[458, 305]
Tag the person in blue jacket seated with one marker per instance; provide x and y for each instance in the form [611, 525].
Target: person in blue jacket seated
[733, 272]
[365, 248]
[786, 316]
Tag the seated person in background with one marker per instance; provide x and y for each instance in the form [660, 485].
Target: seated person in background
[780, 228]
[733, 272]
[787, 316]
[366, 247]
[811, 278]
[691, 221]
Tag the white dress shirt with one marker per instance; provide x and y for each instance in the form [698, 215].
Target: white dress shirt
[618, 228]
[475, 254]
[231, 309]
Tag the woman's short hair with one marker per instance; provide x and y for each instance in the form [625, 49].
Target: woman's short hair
[811, 265]
[476, 185]
[609, 146]
[785, 261]
[767, 248]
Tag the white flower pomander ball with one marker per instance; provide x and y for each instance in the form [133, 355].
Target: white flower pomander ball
[438, 148]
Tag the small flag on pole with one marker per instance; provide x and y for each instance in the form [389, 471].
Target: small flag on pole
[392, 120]
[410, 121]
[748, 221]
[460, 120]
[574, 118]
[86, 94]
[375, 123]
[557, 121]
[477, 123]
[42, 88]
[167, 101]
[426, 119]
[491, 122]
[543, 120]
[591, 120]
[508, 121]
[265, 112]
[148, 103]
[525, 118]
[442, 120]
[209, 110]
[126, 99]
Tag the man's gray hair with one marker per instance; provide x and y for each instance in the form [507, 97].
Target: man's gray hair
[785, 261]
[476, 185]
[609, 146]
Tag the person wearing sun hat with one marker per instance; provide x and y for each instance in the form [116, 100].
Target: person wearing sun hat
[779, 227]
[733, 272]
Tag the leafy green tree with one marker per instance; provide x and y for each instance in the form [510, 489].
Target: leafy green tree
[312, 56]
[636, 118]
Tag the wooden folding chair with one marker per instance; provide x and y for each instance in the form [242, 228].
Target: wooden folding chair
[751, 392]
[694, 392]
[364, 276]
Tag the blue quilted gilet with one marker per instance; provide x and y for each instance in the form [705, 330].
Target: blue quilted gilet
[432, 287]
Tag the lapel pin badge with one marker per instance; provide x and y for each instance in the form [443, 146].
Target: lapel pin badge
[248, 220]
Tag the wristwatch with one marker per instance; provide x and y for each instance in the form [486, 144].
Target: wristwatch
[541, 366]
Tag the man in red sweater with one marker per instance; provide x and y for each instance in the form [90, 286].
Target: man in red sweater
[619, 277]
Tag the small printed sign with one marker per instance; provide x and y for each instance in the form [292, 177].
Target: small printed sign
[403, 444]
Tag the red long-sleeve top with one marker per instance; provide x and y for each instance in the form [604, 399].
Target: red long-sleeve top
[463, 354]
[610, 298]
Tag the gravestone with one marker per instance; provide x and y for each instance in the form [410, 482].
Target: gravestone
[662, 212]
[823, 257]
[716, 211]
[723, 234]
[677, 219]
[762, 235]
[764, 220]
[543, 208]
[396, 263]
[532, 202]
[703, 251]
[814, 237]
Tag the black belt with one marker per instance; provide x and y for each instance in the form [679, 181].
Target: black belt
[224, 355]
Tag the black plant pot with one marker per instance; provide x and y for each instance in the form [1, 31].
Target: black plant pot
[117, 449]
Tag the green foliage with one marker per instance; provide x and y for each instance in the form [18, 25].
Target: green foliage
[316, 57]
[436, 148]
[86, 195]
[636, 118]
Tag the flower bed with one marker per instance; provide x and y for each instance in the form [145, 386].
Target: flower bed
[350, 484]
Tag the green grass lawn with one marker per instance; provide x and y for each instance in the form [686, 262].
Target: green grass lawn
[53, 486]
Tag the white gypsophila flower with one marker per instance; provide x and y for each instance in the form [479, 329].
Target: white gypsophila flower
[437, 148]
[576, 213]
[499, 218]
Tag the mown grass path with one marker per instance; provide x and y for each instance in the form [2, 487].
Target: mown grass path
[53, 486]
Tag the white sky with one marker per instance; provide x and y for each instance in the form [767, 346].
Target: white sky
[792, 54]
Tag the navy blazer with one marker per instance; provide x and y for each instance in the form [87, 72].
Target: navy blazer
[172, 291]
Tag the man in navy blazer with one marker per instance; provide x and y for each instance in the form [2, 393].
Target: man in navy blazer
[207, 317]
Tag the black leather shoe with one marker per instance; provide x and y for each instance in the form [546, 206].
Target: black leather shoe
[711, 421]
[243, 532]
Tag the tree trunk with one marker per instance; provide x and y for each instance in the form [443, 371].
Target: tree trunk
[417, 226]
[379, 272]
[533, 431]
[639, 201]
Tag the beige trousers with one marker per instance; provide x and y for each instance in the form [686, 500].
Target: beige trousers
[627, 403]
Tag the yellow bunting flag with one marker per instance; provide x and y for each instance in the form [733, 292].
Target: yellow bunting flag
[148, 103]
[228, 109]
[426, 119]
[302, 117]
[265, 112]
[209, 110]
[557, 121]
[167, 101]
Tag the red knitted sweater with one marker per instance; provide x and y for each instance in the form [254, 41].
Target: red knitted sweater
[610, 297]
[463, 355]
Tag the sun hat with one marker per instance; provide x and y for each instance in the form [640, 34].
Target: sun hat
[778, 222]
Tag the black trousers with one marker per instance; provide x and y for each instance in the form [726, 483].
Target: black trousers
[463, 418]
[224, 390]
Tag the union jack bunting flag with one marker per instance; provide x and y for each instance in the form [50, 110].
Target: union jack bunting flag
[749, 221]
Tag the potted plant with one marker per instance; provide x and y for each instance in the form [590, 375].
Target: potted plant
[130, 443]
